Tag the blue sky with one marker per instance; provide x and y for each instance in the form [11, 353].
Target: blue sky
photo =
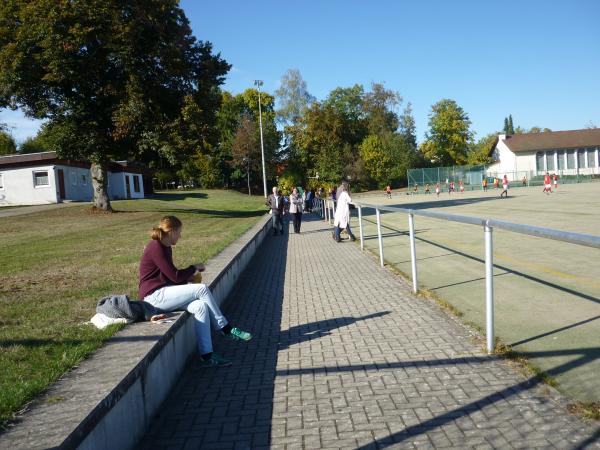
[536, 60]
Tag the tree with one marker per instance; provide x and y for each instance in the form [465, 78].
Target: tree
[407, 127]
[506, 126]
[449, 134]
[386, 157]
[114, 79]
[481, 152]
[7, 143]
[246, 153]
[293, 97]
[511, 128]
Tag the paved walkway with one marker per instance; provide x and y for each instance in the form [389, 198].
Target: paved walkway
[345, 357]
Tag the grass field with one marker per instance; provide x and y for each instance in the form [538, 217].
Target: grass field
[547, 301]
[56, 264]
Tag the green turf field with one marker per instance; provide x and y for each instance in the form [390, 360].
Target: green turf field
[547, 293]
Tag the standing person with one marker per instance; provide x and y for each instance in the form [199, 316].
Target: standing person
[427, 191]
[524, 181]
[437, 189]
[496, 183]
[555, 179]
[167, 288]
[547, 184]
[309, 200]
[296, 209]
[341, 218]
[451, 187]
[484, 183]
[388, 191]
[461, 186]
[504, 187]
[276, 203]
[416, 189]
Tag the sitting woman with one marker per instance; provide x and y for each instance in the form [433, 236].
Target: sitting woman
[170, 289]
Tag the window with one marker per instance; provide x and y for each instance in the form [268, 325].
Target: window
[136, 183]
[539, 161]
[581, 158]
[591, 157]
[41, 179]
[84, 180]
[550, 161]
[74, 178]
[570, 159]
[1, 181]
[560, 154]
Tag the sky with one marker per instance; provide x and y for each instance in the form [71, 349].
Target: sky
[536, 60]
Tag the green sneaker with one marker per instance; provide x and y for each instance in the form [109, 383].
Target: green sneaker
[238, 335]
[215, 361]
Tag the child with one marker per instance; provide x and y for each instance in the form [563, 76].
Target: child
[547, 185]
[555, 181]
[504, 187]
[437, 189]
[427, 189]
[461, 186]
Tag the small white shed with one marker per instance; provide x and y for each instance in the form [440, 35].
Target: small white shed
[42, 178]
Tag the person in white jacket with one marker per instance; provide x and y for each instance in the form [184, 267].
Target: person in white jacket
[341, 218]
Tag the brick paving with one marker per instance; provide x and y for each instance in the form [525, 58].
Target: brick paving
[344, 356]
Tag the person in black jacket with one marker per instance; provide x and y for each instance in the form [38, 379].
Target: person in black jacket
[275, 202]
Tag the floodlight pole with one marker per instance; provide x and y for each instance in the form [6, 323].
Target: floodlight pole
[258, 84]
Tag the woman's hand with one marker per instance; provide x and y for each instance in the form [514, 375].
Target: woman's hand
[200, 267]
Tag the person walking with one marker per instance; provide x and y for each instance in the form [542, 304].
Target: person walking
[341, 218]
[168, 289]
[547, 184]
[276, 203]
[388, 191]
[296, 209]
[555, 179]
[504, 187]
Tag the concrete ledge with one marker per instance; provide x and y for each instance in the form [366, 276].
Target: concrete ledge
[108, 401]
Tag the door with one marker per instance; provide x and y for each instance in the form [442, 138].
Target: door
[127, 187]
[61, 184]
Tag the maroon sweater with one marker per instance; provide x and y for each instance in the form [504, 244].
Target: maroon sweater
[157, 269]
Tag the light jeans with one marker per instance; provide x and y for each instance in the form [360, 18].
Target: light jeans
[198, 301]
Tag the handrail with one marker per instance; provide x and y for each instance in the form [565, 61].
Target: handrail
[587, 240]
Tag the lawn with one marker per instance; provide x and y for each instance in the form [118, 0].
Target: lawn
[56, 264]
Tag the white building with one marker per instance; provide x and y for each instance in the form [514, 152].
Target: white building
[41, 178]
[532, 154]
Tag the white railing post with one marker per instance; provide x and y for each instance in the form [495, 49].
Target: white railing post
[379, 236]
[326, 204]
[489, 288]
[413, 251]
[360, 228]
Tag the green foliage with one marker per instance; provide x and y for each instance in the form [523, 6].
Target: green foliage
[449, 136]
[116, 80]
[7, 144]
[293, 97]
[287, 182]
[481, 152]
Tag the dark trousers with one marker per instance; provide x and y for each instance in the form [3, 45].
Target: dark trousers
[338, 230]
[297, 221]
[277, 223]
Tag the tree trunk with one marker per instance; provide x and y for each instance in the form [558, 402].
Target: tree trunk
[99, 178]
[249, 192]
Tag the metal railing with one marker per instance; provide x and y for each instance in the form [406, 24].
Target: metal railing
[327, 206]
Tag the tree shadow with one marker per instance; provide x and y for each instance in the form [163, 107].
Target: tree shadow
[177, 196]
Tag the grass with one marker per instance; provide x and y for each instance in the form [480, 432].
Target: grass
[56, 264]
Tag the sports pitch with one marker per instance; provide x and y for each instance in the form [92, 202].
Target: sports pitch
[546, 292]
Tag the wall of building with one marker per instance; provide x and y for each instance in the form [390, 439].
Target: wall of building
[18, 186]
[78, 183]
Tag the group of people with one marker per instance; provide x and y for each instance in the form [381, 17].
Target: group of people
[295, 204]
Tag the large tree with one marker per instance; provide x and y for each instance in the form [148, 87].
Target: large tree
[115, 79]
[449, 136]
[293, 97]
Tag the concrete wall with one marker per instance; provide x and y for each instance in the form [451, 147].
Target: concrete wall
[18, 187]
[130, 407]
[78, 183]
